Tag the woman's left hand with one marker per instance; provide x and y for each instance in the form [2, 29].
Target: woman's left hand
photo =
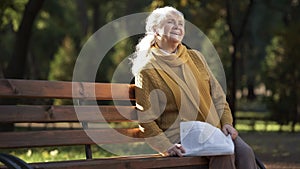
[176, 150]
[229, 129]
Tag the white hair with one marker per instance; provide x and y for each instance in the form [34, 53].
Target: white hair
[140, 58]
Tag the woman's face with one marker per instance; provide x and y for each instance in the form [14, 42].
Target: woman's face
[171, 29]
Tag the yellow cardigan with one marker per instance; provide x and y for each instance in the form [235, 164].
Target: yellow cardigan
[159, 122]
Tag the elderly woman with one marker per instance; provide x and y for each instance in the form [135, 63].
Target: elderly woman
[175, 84]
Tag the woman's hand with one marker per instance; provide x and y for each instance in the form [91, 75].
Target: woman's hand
[229, 129]
[176, 150]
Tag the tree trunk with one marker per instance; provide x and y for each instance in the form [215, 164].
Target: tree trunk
[17, 63]
[96, 15]
[83, 18]
[237, 34]
[251, 94]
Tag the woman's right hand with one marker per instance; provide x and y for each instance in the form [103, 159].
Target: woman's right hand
[176, 150]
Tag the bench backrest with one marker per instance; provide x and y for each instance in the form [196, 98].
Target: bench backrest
[30, 110]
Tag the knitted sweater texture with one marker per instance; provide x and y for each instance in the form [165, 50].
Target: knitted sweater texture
[157, 110]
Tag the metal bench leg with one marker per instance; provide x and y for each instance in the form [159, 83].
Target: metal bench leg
[13, 162]
[259, 163]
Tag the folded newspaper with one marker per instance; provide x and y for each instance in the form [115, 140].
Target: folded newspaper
[203, 139]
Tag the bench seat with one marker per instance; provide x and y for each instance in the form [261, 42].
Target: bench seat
[31, 102]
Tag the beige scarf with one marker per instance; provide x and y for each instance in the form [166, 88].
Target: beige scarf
[191, 92]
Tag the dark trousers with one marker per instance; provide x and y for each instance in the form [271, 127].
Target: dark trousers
[243, 158]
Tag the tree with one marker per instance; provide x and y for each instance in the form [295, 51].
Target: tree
[16, 66]
[281, 75]
[281, 70]
[237, 28]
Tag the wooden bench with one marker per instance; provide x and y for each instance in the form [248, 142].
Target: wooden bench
[32, 109]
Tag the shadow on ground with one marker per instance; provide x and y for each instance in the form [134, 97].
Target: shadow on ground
[275, 150]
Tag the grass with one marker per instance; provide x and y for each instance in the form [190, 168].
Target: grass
[78, 152]
[259, 121]
[263, 126]
[54, 153]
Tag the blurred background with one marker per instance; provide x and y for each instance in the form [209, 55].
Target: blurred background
[257, 41]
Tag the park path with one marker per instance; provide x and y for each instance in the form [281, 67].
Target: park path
[282, 165]
[275, 150]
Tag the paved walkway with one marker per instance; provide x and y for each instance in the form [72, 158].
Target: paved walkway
[283, 166]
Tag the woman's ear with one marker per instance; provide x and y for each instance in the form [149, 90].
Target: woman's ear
[156, 31]
[157, 36]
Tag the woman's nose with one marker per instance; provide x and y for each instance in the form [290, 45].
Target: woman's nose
[176, 25]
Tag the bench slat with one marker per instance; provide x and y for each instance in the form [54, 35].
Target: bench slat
[132, 162]
[67, 137]
[63, 90]
[38, 114]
